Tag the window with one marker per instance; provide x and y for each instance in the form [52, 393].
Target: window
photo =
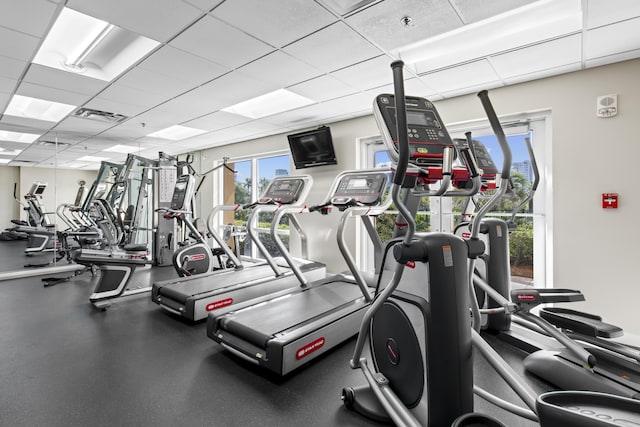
[251, 179]
[531, 261]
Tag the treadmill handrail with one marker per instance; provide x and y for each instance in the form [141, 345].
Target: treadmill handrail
[275, 208]
[216, 236]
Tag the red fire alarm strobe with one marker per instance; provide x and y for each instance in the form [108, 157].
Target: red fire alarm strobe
[609, 200]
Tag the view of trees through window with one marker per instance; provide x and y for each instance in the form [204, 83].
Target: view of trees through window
[521, 238]
[251, 179]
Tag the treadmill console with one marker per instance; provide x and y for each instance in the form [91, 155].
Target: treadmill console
[284, 191]
[427, 135]
[182, 193]
[483, 158]
[366, 189]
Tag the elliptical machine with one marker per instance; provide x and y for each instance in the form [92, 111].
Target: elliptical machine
[401, 387]
[422, 372]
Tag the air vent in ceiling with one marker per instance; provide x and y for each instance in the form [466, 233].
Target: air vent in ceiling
[54, 144]
[101, 116]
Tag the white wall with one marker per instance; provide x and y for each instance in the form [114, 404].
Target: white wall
[62, 187]
[594, 250]
[9, 176]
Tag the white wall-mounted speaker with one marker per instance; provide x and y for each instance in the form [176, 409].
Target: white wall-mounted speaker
[607, 105]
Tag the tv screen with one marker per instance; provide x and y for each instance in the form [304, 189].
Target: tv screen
[312, 148]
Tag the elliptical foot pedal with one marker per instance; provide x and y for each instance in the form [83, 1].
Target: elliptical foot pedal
[362, 400]
[583, 408]
[101, 305]
[580, 322]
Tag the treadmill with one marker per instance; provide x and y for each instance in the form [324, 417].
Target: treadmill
[194, 297]
[283, 331]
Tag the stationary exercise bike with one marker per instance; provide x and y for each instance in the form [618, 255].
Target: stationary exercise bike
[194, 257]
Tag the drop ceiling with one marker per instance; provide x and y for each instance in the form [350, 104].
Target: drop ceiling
[212, 54]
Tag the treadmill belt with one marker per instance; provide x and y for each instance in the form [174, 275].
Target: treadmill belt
[181, 291]
[258, 324]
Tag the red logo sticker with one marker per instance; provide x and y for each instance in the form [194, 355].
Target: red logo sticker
[526, 297]
[196, 257]
[219, 304]
[307, 349]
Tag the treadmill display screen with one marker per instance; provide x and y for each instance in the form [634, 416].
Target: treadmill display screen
[357, 184]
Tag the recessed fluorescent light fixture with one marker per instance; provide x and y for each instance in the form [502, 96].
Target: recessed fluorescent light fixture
[177, 133]
[34, 108]
[535, 22]
[5, 160]
[268, 104]
[79, 43]
[91, 159]
[25, 138]
[122, 149]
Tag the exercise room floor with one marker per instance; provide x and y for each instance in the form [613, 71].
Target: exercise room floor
[63, 363]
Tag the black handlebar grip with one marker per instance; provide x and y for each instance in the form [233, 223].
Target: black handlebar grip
[401, 123]
[470, 161]
[497, 130]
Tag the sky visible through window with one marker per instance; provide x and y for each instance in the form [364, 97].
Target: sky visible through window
[267, 167]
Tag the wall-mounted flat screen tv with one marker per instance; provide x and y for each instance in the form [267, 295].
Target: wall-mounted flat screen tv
[312, 148]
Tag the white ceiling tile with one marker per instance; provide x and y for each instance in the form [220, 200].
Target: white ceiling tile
[152, 82]
[222, 92]
[323, 88]
[473, 10]
[368, 74]
[604, 12]
[278, 23]
[216, 121]
[412, 86]
[7, 85]
[610, 59]
[280, 69]
[382, 22]
[159, 20]
[332, 48]
[237, 133]
[472, 89]
[219, 42]
[51, 94]
[131, 95]
[11, 68]
[462, 76]
[204, 5]
[130, 130]
[544, 73]
[158, 119]
[4, 100]
[27, 16]
[17, 45]
[35, 126]
[324, 112]
[179, 65]
[556, 53]
[76, 124]
[46, 76]
[612, 39]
